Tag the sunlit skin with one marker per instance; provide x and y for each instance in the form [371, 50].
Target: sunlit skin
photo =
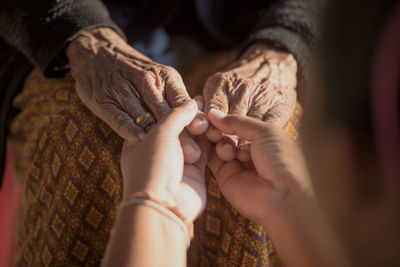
[118, 84]
[261, 84]
[275, 192]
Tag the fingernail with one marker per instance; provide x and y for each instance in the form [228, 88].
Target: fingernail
[189, 149]
[199, 122]
[218, 113]
[190, 104]
[227, 148]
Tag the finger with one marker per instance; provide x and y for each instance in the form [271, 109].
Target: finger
[214, 162]
[204, 145]
[131, 102]
[199, 125]
[191, 150]
[176, 94]
[173, 125]
[213, 134]
[215, 97]
[178, 118]
[221, 169]
[121, 122]
[245, 127]
[243, 151]
[148, 83]
[174, 88]
[226, 148]
[239, 106]
[155, 101]
[215, 93]
[200, 102]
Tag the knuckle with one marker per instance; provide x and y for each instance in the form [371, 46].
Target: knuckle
[217, 78]
[177, 99]
[245, 88]
[148, 76]
[169, 70]
[121, 119]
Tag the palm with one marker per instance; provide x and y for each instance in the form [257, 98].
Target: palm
[251, 194]
[191, 194]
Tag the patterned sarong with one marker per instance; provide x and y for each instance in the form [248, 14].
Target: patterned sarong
[67, 162]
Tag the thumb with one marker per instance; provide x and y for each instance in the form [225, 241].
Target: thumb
[244, 127]
[178, 118]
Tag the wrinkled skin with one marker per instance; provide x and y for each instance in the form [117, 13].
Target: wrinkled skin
[117, 83]
[261, 84]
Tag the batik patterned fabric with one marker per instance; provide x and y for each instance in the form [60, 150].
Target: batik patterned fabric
[67, 162]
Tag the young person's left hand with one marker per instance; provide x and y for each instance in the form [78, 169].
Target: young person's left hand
[156, 164]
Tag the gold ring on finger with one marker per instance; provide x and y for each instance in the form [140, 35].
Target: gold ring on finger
[144, 120]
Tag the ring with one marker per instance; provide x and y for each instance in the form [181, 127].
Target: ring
[139, 119]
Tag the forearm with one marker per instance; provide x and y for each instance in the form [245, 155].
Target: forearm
[303, 236]
[145, 237]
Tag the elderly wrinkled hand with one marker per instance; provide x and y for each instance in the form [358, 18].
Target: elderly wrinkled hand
[262, 85]
[123, 87]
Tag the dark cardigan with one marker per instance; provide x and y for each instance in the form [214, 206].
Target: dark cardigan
[33, 34]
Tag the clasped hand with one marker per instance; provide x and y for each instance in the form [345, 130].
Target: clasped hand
[118, 84]
[155, 164]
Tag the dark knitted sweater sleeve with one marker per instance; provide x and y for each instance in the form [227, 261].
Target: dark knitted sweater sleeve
[41, 29]
[291, 23]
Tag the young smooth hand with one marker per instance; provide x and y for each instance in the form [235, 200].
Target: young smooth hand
[156, 164]
[277, 171]
[276, 192]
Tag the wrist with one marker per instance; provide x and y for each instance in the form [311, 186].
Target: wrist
[88, 42]
[89, 37]
[140, 229]
[167, 207]
[161, 214]
[273, 52]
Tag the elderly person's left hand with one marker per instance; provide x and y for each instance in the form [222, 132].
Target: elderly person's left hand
[261, 84]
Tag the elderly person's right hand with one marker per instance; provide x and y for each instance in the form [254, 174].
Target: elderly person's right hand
[119, 85]
[261, 84]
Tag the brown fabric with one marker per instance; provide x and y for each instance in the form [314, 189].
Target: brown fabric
[68, 165]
